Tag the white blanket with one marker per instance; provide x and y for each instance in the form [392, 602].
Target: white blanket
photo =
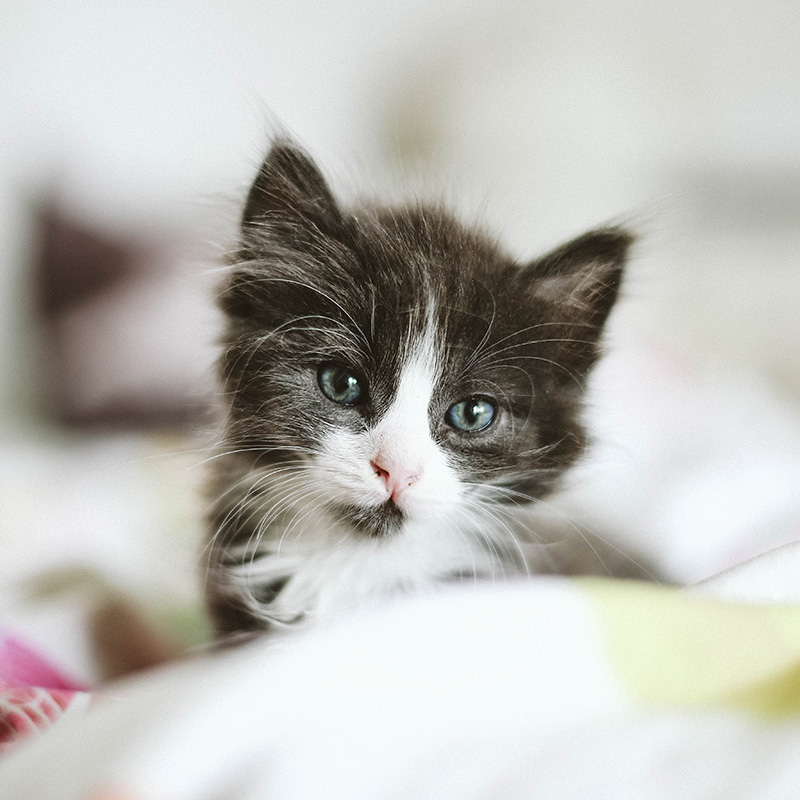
[548, 688]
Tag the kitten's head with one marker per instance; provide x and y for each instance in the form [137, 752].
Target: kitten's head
[401, 362]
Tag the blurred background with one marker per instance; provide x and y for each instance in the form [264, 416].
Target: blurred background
[129, 134]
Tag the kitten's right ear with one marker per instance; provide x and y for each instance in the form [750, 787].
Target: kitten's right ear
[289, 194]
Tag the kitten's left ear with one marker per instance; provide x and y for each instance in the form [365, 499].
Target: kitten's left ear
[582, 278]
[573, 290]
[290, 196]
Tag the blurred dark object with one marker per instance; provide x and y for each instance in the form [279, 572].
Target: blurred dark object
[121, 342]
[126, 641]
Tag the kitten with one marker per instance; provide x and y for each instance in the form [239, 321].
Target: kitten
[397, 387]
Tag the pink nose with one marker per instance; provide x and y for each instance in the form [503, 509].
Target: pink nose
[396, 477]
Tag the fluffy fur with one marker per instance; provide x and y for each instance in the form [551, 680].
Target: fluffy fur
[364, 351]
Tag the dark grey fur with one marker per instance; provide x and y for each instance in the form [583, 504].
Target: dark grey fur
[314, 283]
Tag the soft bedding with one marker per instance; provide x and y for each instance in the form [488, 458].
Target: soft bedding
[34, 693]
[550, 687]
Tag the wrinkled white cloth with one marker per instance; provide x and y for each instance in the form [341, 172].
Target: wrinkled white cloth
[502, 691]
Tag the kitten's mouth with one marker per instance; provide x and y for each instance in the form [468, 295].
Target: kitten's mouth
[374, 521]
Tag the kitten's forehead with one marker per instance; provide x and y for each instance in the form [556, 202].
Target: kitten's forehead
[406, 361]
[431, 283]
[403, 433]
[419, 368]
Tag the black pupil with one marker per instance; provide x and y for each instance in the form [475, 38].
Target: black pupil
[472, 412]
[344, 383]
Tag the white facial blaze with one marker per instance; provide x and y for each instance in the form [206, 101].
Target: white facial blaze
[398, 457]
[401, 442]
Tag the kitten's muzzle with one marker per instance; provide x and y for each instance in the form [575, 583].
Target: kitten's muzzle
[374, 521]
[396, 478]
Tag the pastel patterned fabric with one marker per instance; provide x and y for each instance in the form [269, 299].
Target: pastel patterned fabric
[34, 693]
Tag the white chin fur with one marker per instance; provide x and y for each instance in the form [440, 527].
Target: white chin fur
[331, 567]
[342, 570]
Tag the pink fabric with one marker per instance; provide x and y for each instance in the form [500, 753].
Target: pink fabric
[22, 667]
[33, 692]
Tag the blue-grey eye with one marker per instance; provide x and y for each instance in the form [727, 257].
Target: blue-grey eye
[340, 384]
[471, 415]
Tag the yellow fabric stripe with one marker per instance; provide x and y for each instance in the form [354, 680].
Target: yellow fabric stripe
[672, 648]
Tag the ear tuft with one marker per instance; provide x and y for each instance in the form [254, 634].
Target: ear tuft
[584, 275]
[607, 245]
[573, 290]
[289, 192]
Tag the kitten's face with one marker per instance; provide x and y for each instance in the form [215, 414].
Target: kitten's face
[396, 370]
